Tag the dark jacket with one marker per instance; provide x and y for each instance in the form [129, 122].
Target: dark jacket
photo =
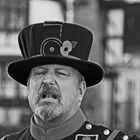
[77, 128]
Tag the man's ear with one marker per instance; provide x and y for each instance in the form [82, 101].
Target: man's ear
[28, 80]
[82, 88]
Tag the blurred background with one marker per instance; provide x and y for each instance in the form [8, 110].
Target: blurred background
[115, 102]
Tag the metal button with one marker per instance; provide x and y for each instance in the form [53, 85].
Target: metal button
[88, 126]
[125, 137]
[106, 132]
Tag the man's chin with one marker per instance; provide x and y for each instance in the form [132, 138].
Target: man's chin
[48, 112]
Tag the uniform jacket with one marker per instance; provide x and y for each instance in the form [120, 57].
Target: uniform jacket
[77, 128]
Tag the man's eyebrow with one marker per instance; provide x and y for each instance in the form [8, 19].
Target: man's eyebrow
[41, 67]
[63, 69]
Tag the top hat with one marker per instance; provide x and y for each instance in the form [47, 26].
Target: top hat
[55, 43]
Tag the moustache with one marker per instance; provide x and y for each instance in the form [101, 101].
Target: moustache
[49, 91]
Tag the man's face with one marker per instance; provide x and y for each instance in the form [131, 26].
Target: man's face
[55, 91]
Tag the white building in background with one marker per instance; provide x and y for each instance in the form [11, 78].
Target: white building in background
[121, 86]
[41, 10]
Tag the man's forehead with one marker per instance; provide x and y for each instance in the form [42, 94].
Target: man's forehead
[55, 66]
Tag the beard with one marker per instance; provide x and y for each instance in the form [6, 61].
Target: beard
[49, 110]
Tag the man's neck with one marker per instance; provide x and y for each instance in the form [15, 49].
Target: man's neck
[45, 125]
[52, 123]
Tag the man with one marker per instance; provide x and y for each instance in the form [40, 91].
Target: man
[56, 71]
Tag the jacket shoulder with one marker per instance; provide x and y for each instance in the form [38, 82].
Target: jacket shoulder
[100, 132]
[20, 135]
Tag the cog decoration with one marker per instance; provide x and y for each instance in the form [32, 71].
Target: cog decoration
[66, 48]
[53, 46]
[50, 46]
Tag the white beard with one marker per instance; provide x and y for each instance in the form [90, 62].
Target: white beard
[49, 111]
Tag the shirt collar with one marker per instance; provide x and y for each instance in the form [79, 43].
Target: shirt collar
[59, 132]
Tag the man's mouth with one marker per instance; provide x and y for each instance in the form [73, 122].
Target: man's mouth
[49, 93]
[49, 96]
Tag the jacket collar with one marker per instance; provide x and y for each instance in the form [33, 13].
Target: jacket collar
[64, 130]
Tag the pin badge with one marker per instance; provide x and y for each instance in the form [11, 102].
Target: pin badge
[66, 48]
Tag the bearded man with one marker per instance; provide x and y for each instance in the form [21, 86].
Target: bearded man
[56, 71]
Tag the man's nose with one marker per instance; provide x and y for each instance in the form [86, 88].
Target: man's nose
[49, 79]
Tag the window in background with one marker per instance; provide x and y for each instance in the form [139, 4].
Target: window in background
[13, 14]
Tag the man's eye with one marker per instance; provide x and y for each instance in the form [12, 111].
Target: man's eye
[39, 73]
[63, 73]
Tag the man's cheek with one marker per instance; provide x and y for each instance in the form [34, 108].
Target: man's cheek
[32, 97]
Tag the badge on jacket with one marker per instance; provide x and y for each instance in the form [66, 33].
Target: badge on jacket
[86, 137]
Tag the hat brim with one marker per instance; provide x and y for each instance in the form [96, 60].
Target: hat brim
[19, 70]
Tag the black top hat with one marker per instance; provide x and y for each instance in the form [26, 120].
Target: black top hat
[55, 43]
